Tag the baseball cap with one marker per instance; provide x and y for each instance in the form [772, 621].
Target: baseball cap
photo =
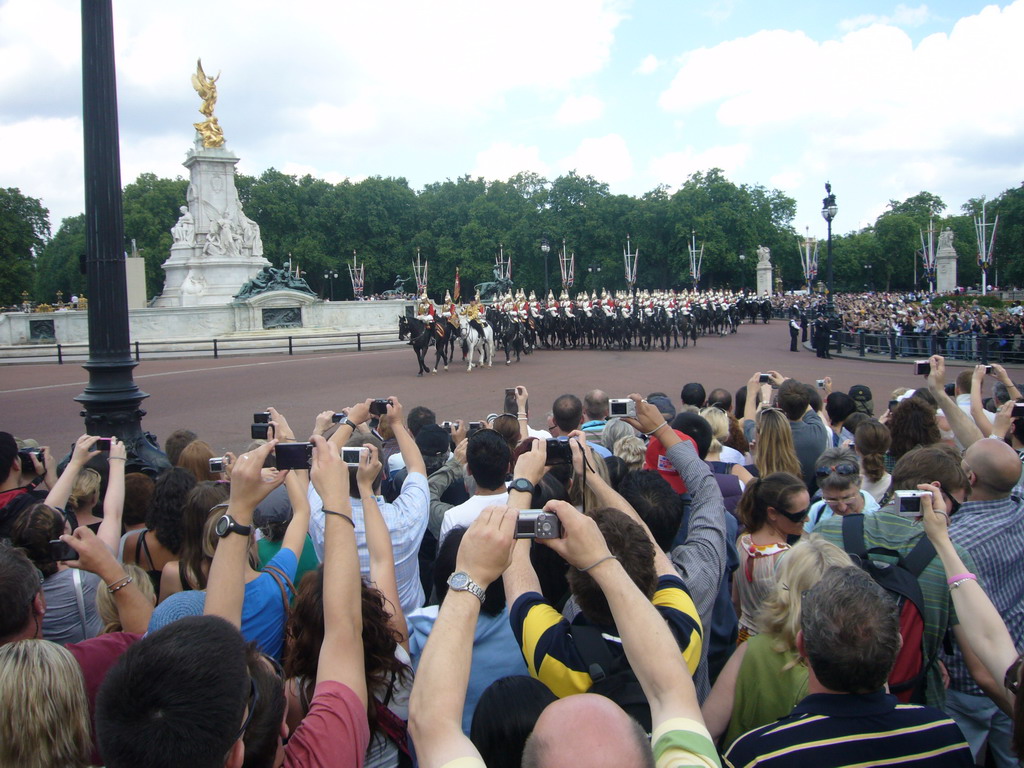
[655, 459]
[432, 441]
[664, 406]
[191, 602]
[275, 508]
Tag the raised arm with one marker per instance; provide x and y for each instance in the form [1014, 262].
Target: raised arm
[963, 426]
[522, 397]
[341, 654]
[520, 577]
[80, 455]
[406, 443]
[225, 587]
[297, 484]
[378, 542]
[978, 412]
[113, 501]
[439, 692]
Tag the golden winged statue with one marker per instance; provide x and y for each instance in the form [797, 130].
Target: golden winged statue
[206, 87]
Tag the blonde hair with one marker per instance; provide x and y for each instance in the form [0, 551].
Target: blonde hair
[43, 694]
[799, 570]
[719, 422]
[584, 496]
[87, 483]
[107, 608]
[774, 451]
[630, 450]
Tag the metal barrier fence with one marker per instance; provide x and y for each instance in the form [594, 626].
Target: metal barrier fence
[216, 348]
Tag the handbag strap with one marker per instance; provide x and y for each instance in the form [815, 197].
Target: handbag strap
[76, 577]
[281, 579]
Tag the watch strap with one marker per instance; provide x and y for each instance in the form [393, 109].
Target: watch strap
[470, 586]
[522, 485]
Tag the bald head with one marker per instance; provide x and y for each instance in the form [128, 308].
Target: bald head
[996, 466]
[587, 729]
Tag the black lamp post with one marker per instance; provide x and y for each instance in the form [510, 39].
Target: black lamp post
[828, 212]
[330, 275]
[111, 398]
[545, 247]
[592, 270]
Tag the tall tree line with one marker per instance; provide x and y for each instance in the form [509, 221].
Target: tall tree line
[463, 223]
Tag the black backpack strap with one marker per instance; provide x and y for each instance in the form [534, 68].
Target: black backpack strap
[920, 556]
[853, 536]
[594, 651]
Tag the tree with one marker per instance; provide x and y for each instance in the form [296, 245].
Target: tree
[58, 266]
[24, 230]
[151, 208]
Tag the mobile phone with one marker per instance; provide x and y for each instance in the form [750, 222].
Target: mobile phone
[260, 431]
[537, 524]
[261, 417]
[909, 503]
[351, 456]
[103, 444]
[293, 455]
[60, 550]
[218, 464]
[379, 407]
[922, 367]
[893, 404]
[764, 378]
[622, 406]
[558, 452]
[474, 427]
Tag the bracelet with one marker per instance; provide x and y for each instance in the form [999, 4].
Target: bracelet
[117, 458]
[119, 584]
[955, 584]
[520, 413]
[648, 434]
[960, 576]
[594, 565]
[341, 515]
[521, 418]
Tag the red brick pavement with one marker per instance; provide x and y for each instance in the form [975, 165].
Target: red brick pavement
[215, 398]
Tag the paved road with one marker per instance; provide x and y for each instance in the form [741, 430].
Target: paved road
[216, 398]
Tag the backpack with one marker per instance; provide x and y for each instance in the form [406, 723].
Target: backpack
[898, 575]
[613, 677]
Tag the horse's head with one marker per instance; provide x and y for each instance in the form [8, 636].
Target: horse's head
[403, 327]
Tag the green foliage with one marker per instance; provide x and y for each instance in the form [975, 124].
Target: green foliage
[968, 300]
[150, 210]
[24, 230]
[58, 265]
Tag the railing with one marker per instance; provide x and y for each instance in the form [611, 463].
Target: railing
[216, 348]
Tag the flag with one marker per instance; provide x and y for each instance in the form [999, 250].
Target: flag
[458, 288]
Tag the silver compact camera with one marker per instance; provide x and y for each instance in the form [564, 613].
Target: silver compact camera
[538, 524]
[910, 503]
[218, 464]
[622, 407]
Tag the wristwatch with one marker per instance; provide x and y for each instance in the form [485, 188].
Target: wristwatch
[227, 524]
[347, 422]
[460, 581]
[522, 485]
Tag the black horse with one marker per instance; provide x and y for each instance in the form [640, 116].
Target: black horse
[422, 337]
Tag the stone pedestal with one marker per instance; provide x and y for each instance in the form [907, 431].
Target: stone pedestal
[217, 249]
[945, 266]
[764, 279]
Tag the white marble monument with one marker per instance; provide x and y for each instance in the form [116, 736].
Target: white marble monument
[216, 249]
[764, 270]
[945, 263]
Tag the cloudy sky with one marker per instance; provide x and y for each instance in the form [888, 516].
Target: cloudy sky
[885, 100]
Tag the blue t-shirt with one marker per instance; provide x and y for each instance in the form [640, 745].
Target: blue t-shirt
[263, 611]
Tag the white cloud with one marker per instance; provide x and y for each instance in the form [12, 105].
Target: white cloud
[673, 168]
[649, 65]
[43, 158]
[606, 158]
[902, 16]
[720, 10]
[502, 160]
[576, 110]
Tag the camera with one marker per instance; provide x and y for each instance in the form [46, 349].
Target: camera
[337, 418]
[538, 524]
[922, 367]
[1018, 411]
[447, 426]
[910, 503]
[821, 383]
[218, 464]
[379, 407]
[263, 417]
[764, 378]
[510, 391]
[26, 454]
[474, 427]
[893, 404]
[260, 431]
[622, 407]
[60, 550]
[293, 455]
[351, 456]
[988, 370]
[103, 444]
[558, 452]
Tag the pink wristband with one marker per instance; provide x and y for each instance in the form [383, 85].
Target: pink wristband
[961, 577]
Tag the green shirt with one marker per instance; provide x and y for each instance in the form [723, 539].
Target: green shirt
[765, 689]
[307, 561]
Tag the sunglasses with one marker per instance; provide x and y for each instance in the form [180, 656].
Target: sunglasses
[838, 469]
[794, 517]
[254, 699]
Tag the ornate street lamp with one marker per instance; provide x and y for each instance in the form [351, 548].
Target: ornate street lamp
[545, 247]
[828, 212]
[329, 275]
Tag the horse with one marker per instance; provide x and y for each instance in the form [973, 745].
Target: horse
[420, 340]
[423, 335]
[477, 342]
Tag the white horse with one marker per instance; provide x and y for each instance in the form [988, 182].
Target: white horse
[483, 344]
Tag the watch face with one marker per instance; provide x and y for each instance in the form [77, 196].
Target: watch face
[223, 525]
[458, 580]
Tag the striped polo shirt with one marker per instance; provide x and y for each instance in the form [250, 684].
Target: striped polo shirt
[829, 730]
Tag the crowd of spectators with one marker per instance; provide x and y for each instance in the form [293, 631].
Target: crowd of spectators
[692, 582]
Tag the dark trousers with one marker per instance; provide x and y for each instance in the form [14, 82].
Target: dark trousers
[794, 336]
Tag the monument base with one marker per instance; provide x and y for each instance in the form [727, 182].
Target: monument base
[764, 279]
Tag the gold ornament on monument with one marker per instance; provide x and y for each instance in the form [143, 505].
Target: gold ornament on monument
[206, 87]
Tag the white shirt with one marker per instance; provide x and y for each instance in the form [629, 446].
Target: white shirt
[465, 513]
[732, 456]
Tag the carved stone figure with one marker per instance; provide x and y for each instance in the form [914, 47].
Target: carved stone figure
[184, 231]
[946, 238]
[206, 87]
[271, 279]
[764, 255]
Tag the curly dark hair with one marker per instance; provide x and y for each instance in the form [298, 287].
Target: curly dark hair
[305, 635]
[33, 530]
[912, 424]
[163, 517]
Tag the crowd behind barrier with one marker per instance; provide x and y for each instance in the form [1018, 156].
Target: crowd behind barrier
[761, 574]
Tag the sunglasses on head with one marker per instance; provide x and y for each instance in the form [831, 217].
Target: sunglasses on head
[838, 469]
